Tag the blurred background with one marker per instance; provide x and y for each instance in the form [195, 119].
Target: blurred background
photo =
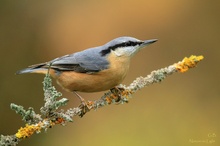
[182, 109]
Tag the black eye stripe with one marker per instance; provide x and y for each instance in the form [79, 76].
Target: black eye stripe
[124, 44]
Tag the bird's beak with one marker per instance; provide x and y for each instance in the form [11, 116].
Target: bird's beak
[148, 42]
[144, 44]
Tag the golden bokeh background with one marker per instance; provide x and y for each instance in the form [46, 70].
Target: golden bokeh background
[183, 108]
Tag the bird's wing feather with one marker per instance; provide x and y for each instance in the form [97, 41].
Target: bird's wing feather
[85, 61]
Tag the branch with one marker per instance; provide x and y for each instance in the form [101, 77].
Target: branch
[50, 114]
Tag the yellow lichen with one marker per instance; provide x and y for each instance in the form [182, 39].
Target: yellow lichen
[27, 131]
[188, 63]
[52, 123]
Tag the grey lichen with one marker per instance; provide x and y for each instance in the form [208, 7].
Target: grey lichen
[8, 140]
[28, 116]
[50, 96]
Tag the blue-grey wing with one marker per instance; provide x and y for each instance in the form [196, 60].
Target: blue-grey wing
[86, 61]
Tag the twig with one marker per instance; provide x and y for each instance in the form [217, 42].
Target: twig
[51, 115]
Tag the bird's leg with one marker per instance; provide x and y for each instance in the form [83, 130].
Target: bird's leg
[80, 98]
[85, 108]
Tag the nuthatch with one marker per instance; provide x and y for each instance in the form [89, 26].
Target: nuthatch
[94, 69]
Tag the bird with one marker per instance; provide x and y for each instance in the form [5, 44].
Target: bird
[95, 69]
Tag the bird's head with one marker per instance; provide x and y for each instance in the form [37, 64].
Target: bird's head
[125, 46]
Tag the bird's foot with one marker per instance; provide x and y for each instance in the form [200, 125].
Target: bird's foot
[117, 92]
[84, 106]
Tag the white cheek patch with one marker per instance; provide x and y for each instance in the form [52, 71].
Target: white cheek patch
[128, 51]
[118, 52]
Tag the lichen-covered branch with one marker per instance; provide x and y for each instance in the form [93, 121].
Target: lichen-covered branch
[51, 114]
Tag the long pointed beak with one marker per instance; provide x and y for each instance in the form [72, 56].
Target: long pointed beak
[148, 42]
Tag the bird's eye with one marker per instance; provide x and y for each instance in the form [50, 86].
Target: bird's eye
[128, 43]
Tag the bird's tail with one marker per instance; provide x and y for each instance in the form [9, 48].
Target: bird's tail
[37, 68]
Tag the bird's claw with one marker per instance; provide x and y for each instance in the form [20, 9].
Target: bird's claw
[117, 92]
[85, 107]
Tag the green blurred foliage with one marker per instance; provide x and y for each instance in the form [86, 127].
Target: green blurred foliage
[183, 107]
